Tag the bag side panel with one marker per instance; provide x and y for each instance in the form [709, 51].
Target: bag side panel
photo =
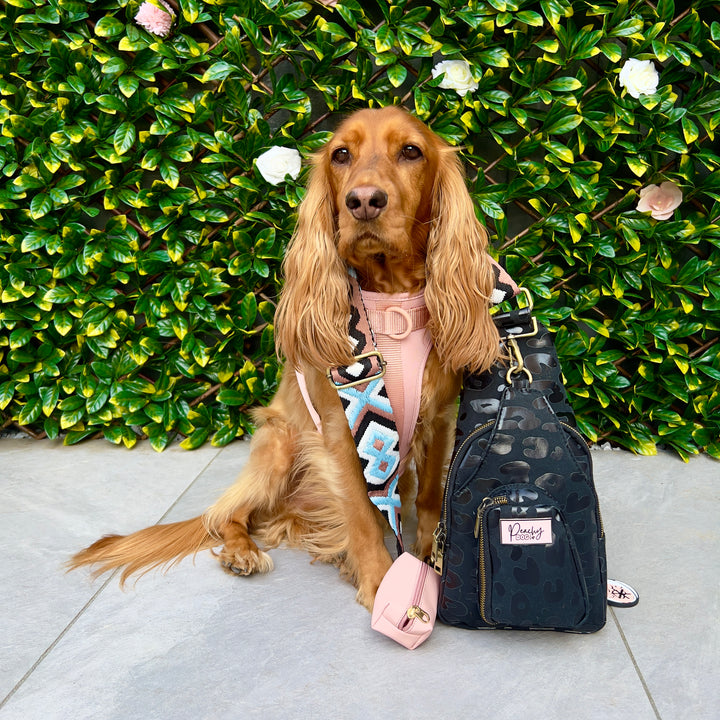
[582, 509]
[458, 603]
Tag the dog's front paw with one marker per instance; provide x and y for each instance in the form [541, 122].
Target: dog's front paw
[366, 596]
[422, 546]
[369, 582]
[247, 563]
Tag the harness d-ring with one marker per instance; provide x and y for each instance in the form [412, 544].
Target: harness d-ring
[408, 323]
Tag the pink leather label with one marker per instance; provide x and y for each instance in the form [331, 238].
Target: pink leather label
[531, 531]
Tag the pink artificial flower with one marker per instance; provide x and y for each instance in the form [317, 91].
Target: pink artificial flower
[154, 19]
[661, 200]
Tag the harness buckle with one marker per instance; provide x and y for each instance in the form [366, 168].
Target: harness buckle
[381, 366]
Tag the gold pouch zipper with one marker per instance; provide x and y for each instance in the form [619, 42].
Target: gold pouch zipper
[482, 510]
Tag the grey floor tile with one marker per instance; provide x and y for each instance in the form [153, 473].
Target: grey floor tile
[200, 644]
[54, 500]
[215, 478]
[664, 538]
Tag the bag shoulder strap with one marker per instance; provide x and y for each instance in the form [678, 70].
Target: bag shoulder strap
[361, 389]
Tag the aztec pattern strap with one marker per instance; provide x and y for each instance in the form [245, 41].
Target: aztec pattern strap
[367, 408]
[505, 286]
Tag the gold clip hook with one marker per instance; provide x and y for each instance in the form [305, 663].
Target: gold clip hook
[519, 366]
[528, 296]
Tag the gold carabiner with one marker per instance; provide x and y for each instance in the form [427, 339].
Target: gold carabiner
[528, 296]
[519, 362]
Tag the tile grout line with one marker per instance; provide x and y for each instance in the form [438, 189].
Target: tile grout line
[92, 599]
[52, 645]
[635, 665]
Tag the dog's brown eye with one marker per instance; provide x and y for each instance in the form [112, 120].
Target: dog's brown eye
[411, 152]
[341, 156]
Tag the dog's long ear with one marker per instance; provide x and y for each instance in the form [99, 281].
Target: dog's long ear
[311, 323]
[460, 277]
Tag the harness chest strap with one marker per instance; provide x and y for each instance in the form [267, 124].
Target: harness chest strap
[403, 340]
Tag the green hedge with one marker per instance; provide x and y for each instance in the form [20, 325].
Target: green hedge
[140, 245]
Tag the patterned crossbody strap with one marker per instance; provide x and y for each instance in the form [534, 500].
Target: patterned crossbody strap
[367, 407]
[369, 414]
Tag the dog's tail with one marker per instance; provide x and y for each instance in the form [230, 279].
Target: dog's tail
[142, 551]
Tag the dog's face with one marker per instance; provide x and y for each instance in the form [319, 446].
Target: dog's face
[380, 165]
[387, 197]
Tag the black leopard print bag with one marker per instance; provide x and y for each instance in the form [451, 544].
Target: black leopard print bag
[520, 543]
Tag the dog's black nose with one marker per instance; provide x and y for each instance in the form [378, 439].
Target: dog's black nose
[366, 202]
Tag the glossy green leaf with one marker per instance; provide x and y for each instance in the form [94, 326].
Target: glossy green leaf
[397, 74]
[40, 206]
[109, 27]
[7, 391]
[564, 125]
[530, 17]
[218, 71]
[196, 439]
[124, 138]
[128, 84]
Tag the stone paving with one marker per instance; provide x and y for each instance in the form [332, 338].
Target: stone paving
[198, 643]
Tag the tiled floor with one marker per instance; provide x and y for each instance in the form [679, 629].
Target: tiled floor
[197, 643]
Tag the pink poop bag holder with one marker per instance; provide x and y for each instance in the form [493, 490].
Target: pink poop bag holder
[406, 601]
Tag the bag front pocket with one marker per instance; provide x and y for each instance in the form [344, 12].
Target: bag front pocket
[529, 570]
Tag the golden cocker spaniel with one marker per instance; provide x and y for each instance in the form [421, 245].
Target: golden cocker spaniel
[386, 197]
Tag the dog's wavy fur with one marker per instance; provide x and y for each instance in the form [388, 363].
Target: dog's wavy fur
[305, 488]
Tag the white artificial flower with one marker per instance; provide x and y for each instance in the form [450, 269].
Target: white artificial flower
[277, 162]
[457, 76]
[639, 77]
[661, 200]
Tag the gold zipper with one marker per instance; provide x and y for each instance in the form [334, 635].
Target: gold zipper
[575, 432]
[483, 508]
[437, 554]
[440, 535]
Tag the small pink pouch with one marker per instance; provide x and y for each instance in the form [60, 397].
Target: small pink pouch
[406, 601]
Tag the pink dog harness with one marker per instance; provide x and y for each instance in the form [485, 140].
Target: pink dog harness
[399, 323]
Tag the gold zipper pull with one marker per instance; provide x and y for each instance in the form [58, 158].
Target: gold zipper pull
[484, 506]
[415, 611]
[438, 549]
